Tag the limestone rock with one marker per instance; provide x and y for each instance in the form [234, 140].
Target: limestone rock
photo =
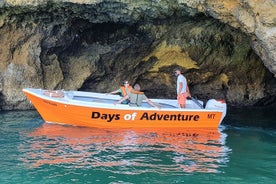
[225, 48]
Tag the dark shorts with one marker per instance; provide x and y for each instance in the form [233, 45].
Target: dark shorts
[125, 102]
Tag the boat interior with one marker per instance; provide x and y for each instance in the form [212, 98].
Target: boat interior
[111, 101]
[87, 97]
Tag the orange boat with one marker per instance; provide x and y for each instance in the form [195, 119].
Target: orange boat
[98, 110]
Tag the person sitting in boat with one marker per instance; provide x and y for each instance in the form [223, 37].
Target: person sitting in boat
[136, 97]
[124, 91]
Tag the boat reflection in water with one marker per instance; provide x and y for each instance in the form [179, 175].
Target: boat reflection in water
[127, 151]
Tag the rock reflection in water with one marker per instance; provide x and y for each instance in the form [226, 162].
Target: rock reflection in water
[127, 151]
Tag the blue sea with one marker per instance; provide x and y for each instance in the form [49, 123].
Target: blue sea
[242, 150]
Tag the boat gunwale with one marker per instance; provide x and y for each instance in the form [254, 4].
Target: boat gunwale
[66, 100]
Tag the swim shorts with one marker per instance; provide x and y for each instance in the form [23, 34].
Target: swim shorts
[181, 98]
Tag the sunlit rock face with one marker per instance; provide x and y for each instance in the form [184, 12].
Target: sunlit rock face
[226, 49]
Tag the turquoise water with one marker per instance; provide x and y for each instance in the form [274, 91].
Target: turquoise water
[35, 152]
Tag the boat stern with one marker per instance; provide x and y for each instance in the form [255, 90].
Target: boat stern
[216, 104]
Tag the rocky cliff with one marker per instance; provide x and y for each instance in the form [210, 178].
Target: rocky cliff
[226, 47]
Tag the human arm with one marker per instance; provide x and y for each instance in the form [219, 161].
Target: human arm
[153, 104]
[114, 92]
[121, 100]
[188, 92]
[180, 88]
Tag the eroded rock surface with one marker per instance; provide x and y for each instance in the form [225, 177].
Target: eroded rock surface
[226, 48]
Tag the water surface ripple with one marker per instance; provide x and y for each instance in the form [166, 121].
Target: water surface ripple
[37, 152]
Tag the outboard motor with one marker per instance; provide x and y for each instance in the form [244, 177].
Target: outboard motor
[217, 104]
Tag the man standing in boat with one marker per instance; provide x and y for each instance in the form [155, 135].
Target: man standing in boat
[124, 91]
[181, 88]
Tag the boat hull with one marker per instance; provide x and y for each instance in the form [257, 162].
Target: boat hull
[53, 110]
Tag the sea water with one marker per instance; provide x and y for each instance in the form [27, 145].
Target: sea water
[36, 152]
